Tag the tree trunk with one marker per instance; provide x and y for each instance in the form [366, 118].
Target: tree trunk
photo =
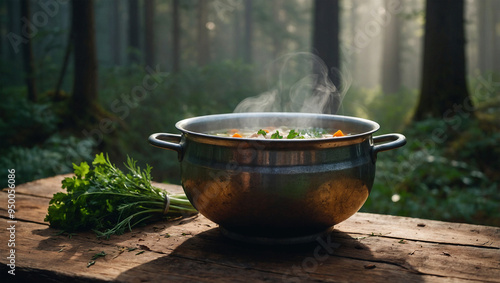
[29, 66]
[279, 25]
[12, 26]
[116, 32]
[353, 19]
[67, 53]
[391, 68]
[247, 43]
[326, 43]
[496, 38]
[3, 9]
[203, 36]
[149, 34]
[489, 35]
[84, 99]
[326, 34]
[133, 32]
[176, 37]
[236, 35]
[444, 91]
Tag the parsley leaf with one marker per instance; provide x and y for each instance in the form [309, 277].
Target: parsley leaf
[108, 201]
[276, 135]
[81, 170]
[292, 134]
[98, 255]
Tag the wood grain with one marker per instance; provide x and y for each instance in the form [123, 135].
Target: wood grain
[366, 247]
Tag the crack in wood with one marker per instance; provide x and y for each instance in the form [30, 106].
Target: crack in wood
[427, 241]
[24, 220]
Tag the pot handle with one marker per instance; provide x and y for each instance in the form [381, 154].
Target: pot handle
[393, 141]
[167, 141]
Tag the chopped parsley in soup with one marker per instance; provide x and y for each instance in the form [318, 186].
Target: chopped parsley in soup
[279, 133]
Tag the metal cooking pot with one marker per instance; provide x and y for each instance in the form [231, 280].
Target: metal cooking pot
[277, 189]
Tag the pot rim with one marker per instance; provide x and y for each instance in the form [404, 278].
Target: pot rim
[183, 124]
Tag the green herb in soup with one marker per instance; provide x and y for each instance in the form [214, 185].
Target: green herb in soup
[276, 135]
[279, 133]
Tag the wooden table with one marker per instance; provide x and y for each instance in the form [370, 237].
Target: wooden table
[366, 247]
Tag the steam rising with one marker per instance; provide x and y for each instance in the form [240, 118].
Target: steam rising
[300, 84]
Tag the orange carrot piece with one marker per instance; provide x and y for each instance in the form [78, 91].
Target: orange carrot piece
[237, 135]
[338, 134]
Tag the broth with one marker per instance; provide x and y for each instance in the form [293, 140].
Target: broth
[279, 133]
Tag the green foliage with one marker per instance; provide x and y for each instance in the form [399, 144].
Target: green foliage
[29, 139]
[292, 134]
[391, 111]
[22, 121]
[50, 158]
[262, 132]
[478, 144]
[276, 135]
[432, 179]
[109, 201]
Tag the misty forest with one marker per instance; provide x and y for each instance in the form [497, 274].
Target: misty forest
[83, 77]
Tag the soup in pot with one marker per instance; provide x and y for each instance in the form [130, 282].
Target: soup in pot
[279, 133]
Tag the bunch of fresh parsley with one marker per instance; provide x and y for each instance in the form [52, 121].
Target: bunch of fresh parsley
[108, 201]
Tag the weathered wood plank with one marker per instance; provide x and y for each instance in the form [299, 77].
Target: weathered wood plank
[43, 187]
[366, 247]
[196, 239]
[460, 262]
[456, 261]
[422, 230]
[27, 207]
[203, 257]
[365, 223]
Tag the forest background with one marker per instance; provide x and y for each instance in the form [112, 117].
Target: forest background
[81, 77]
